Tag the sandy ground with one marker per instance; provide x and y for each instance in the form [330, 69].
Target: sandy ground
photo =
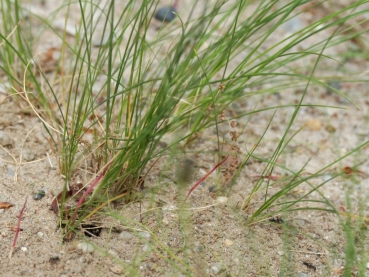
[212, 239]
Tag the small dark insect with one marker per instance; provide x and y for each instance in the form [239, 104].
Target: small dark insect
[39, 195]
[276, 219]
[91, 230]
[309, 265]
[54, 260]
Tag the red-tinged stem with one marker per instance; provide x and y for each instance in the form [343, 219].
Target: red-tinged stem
[18, 229]
[203, 178]
[90, 188]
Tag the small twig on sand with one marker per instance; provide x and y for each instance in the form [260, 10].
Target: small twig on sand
[18, 229]
[203, 178]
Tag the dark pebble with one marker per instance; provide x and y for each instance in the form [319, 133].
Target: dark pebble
[334, 84]
[39, 195]
[165, 14]
[213, 189]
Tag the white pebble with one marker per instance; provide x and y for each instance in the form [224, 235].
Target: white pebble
[85, 247]
[125, 235]
[222, 199]
[40, 234]
[144, 235]
[216, 268]
[24, 249]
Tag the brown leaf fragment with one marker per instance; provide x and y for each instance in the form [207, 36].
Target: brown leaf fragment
[15, 229]
[6, 205]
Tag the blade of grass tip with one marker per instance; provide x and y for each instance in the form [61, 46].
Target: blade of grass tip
[82, 199]
[18, 229]
[203, 178]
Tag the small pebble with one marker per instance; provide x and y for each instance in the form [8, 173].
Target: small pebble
[314, 125]
[5, 139]
[166, 14]
[39, 195]
[333, 85]
[82, 260]
[113, 253]
[116, 269]
[228, 242]
[300, 274]
[24, 249]
[40, 234]
[222, 199]
[144, 235]
[85, 247]
[28, 154]
[293, 25]
[125, 235]
[216, 268]
[213, 189]
[11, 172]
[146, 247]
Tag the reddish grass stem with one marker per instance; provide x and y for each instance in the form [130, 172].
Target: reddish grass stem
[203, 178]
[17, 230]
[90, 188]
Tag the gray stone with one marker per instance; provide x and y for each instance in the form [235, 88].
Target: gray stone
[217, 268]
[125, 235]
[5, 139]
[28, 155]
[85, 247]
[144, 235]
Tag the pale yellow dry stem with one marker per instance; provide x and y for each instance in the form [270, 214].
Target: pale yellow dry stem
[1, 44]
[11, 252]
[25, 97]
